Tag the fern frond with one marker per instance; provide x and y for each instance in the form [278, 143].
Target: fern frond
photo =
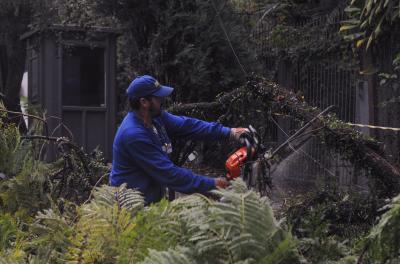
[383, 242]
[152, 230]
[6, 260]
[52, 237]
[281, 249]
[170, 256]
[129, 199]
[102, 222]
[239, 228]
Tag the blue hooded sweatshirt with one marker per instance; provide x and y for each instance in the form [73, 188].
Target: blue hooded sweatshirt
[140, 159]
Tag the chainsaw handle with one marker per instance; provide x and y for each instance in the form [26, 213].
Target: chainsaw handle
[248, 148]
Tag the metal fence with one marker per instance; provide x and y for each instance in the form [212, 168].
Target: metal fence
[387, 98]
[323, 82]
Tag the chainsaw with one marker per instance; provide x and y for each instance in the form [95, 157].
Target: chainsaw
[249, 163]
[255, 163]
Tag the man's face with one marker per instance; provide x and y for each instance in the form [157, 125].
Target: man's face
[155, 106]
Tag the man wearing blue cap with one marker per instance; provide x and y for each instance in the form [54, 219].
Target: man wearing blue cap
[142, 144]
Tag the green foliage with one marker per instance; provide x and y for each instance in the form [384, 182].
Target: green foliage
[102, 223]
[303, 31]
[28, 185]
[8, 231]
[114, 227]
[150, 232]
[369, 19]
[382, 245]
[179, 256]
[249, 6]
[14, 151]
[329, 224]
[372, 22]
[238, 229]
[182, 43]
[50, 235]
[23, 179]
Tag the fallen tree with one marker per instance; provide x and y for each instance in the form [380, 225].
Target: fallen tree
[259, 99]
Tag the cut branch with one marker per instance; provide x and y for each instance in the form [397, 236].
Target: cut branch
[362, 151]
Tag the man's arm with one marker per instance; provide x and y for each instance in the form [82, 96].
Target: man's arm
[182, 126]
[157, 165]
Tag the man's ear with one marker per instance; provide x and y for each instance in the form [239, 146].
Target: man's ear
[144, 102]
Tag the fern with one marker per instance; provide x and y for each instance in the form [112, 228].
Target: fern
[101, 224]
[7, 260]
[23, 179]
[11, 240]
[25, 194]
[170, 256]
[239, 229]
[8, 231]
[152, 230]
[382, 245]
[51, 236]
[115, 227]
[14, 151]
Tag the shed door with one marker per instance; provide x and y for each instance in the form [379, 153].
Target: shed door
[83, 96]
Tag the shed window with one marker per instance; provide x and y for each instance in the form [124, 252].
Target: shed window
[83, 76]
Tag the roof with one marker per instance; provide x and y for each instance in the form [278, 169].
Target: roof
[72, 28]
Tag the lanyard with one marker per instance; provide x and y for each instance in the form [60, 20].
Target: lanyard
[163, 137]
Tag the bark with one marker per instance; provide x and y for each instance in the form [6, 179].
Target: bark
[12, 58]
[362, 151]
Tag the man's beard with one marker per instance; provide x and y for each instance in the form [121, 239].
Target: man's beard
[154, 111]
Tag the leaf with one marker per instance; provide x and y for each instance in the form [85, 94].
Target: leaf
[384, 75]
[354, 36]
[378, 8]
[352, 9]
[170, 256]
[386, 3]
[370, 39]
[351, 21]
[397, 59]
[360, 42]
[347, 27]
[368, 6]
[364, 24]
[369, 71]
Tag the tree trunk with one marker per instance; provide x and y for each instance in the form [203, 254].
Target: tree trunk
[363, 152]
[12, 58]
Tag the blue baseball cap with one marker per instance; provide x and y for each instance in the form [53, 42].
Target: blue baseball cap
[147, 85]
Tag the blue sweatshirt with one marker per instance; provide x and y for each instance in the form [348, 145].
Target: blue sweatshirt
[140, 159]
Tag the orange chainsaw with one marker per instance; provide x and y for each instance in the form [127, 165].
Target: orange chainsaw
[249, 163]
[255, 163]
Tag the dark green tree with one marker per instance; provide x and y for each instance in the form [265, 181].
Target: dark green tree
[187, 44]
[14, 20]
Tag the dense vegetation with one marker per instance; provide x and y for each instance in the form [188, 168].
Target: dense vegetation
[61, 212]
[64, 212]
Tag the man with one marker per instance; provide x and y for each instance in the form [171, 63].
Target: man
[142, 144]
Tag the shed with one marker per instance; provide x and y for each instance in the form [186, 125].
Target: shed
[71, 77]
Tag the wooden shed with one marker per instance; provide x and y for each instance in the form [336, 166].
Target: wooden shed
[71, 77]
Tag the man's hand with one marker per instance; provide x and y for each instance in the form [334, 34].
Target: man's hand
[236, 132]
[221, 182]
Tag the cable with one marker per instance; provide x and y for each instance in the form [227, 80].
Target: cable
[244, 71]
[376, 127]
[302, 151]
[227, 38]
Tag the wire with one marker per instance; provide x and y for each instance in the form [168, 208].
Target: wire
[263, 16]
[376, 127]
[227, 38]
[245, 72]
[302, 151]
